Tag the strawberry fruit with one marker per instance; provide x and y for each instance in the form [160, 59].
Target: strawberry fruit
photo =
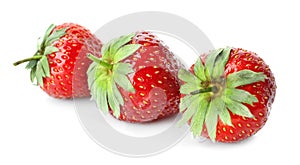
[227, 95]
[136, 78]
[62, 52]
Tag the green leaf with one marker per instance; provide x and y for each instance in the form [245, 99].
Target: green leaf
[199, 118]
[46, 35]
[238, 108]
[244, 77]
[221, 62]
[210, 61]
[106, 49]
[31, 64]
[50, 50]
[188, 77]
[55, 35]
[211, 119]
[112, 100]
[185, 102]
[117, 94]
[32, 74]
[101, 95]
[187, 88]
[40, 75]
[199, 70]
[191, 109]
[123, 82]
[125, 52]
[117, 44]
[225, 117]
[123, 68]
[240, 95]
[45, 66]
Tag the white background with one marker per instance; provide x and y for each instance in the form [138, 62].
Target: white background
[37, 129]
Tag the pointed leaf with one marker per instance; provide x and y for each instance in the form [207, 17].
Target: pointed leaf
[55, 35]
[225, 117]
[113, 103]
[117, 94]
[186, 101]
[45, 66]
[238, 108]
[48, 31]
[191, 109]
[39, 76]
[123, 68]
[221, 62]
[244, 77]
[106, 49]
[199, 117]
[199, 70]
[32, 74]
[210, 61]
[123, 82]
[101, 96]
[50, 50]
[31, 64]
[187, 88]
[117, 44]
[187, 76]
[240, 95]
[211, 119]
[125, 52]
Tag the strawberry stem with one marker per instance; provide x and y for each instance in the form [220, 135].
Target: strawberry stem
[36, 57]
[209, 89]
[99, 61]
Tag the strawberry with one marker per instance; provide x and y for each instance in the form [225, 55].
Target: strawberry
[60, 63]
[227, 96]
[136, 78]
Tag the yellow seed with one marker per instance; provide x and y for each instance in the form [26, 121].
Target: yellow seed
[248, 125]
[148, 75]
[160, 82]
[155, 94]
[260, 114]
[148, 112]
[231, 131]
[152, 86]
[165, 77]
[156, 72]
[224, 129]
[239, 124]
[226, 138]
[142, 94]
[142, 87]
[243, 132]
[145, 102]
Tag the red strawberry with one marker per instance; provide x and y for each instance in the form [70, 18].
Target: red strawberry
[60, 55]
[136, 78]
[227, 95]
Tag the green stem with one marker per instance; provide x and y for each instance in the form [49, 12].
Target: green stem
[209, 89]
[99, 61]
[37, 57]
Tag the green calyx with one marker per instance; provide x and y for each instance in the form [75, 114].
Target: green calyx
[38, 64]
[105, 73]
[209, 95]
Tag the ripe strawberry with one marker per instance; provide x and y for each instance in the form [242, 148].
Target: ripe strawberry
[136, 78]
[60, 63]
[227, 95]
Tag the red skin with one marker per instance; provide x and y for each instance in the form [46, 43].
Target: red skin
[154, 79]
[68, 66]
[244, 127]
